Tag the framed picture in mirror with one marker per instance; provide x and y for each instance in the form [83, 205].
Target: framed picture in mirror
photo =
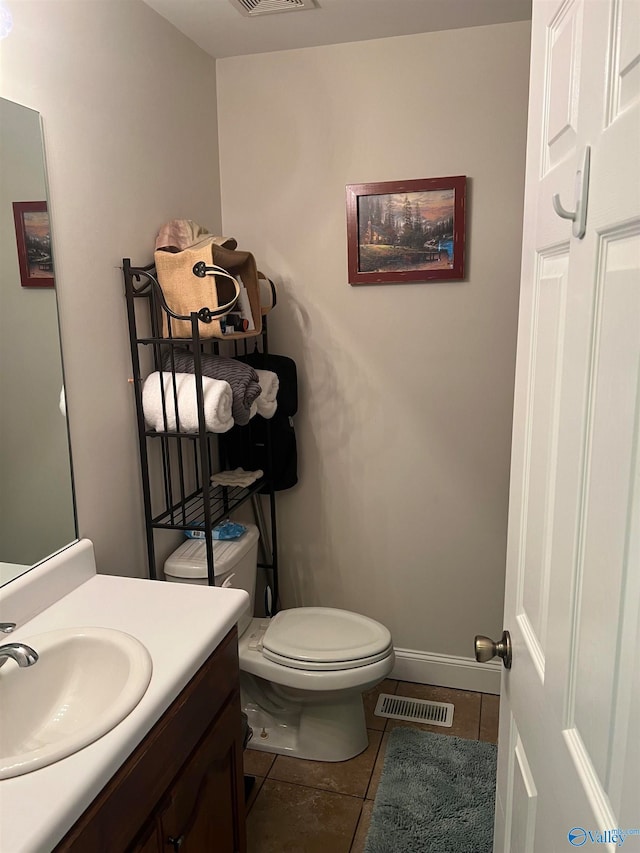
[33, 242]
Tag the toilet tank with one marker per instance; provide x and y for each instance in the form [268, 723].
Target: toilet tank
[235, 563]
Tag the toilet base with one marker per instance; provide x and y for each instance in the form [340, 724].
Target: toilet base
[323, 732]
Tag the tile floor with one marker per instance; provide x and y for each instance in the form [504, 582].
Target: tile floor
[299, 806]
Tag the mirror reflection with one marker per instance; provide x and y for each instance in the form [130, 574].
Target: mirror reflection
[37, 515]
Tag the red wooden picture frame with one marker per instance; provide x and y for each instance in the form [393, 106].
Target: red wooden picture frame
[406, 231]
[33, 241]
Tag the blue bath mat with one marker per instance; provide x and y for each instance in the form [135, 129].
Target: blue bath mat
[436, 795]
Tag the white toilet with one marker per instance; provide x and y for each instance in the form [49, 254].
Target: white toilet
[302, 672]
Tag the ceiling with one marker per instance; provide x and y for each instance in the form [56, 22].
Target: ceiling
[221, 30]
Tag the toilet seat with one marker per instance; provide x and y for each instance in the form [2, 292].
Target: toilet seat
[320, 639]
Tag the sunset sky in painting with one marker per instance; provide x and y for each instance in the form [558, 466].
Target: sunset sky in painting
[434, 204]
[36, 223]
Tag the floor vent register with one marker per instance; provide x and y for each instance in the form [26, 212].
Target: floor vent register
[414, 710]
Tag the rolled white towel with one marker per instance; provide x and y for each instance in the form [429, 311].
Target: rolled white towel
[267, 410]
[218, 401]
[266, 400]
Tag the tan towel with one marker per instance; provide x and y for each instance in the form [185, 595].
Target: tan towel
[179, 234]
[237, 477]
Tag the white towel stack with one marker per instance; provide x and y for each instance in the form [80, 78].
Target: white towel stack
[218, 401]
[266, 404]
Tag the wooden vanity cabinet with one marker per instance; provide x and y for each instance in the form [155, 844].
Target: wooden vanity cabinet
[183, 787]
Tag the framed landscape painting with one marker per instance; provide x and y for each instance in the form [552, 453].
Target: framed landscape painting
[400, 231]
[33, 242]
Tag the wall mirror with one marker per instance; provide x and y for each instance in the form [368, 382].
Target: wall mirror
[37, 510]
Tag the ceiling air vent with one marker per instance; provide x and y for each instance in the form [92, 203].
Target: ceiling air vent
[252, 8]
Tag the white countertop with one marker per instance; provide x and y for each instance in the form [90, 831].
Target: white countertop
[180, 624]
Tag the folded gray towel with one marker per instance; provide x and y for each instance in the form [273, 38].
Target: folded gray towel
[242, 378]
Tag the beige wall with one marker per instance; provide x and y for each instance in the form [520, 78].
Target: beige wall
[406, 390]
[128, 108]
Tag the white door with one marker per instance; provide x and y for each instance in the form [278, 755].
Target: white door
[569, 756]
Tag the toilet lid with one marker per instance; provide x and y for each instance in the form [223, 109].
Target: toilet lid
[324, 638]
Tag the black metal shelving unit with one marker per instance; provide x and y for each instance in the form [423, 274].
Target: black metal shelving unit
[176, 480]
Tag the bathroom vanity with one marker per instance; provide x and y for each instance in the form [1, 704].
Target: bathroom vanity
[183, 787]
[169, 775]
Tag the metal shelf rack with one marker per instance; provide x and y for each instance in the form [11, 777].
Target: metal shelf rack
[176, 466]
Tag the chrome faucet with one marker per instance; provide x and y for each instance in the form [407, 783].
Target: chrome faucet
[22, 654]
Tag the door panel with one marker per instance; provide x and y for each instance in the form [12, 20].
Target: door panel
[570, 705]
[608, 478]
[624, 83]
[545, 369]
[525, 796]
[626, 745]
[564, 42]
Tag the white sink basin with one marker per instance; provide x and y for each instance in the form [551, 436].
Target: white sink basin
[84, 683]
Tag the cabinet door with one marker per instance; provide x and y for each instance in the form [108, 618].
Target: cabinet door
[149, 840]
[205, 810]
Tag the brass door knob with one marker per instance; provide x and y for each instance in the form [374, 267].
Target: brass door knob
[487, 649]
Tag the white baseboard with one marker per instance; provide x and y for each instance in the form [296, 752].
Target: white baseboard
[447, 671]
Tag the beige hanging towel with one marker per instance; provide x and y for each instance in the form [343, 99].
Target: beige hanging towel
[179, 234]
